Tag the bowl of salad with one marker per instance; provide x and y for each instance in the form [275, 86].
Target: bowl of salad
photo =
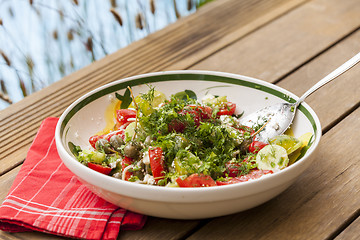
[172, 145]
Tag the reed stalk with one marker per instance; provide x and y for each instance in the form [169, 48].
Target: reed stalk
[113, 3]
[5, 98]
[3, 92]
[74, 27]
[5, 57]
[116, 16]
[22, 86]
[139, 21]
[152, 7]
[90, 47]
[190, 5]
[177, 14]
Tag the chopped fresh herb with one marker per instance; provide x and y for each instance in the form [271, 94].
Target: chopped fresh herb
[149, 96]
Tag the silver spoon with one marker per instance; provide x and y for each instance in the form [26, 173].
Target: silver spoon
[277, 118]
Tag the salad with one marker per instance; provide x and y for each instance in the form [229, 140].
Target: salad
[185, 142]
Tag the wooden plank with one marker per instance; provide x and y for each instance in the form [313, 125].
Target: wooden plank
[160, 228]
[6, 182]
[28, 236]
[352, 232]
[278, 48]
[333, 101]
[294, 44]
[154, 53]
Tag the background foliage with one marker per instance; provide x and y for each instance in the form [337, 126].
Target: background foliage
[42, 41]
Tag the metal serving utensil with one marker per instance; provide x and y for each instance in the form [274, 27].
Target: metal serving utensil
[276, 119]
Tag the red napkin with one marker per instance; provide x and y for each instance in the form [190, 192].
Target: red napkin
[47, 197]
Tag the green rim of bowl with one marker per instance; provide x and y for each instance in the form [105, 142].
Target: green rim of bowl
[181, 77]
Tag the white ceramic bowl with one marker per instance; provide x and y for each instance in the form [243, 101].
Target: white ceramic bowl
[85, 117]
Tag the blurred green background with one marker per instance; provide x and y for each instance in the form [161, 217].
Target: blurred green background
[42, 41]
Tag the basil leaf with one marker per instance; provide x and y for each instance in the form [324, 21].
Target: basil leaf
[74, 149]
[125, 100]
[191, 94]
[184, 95]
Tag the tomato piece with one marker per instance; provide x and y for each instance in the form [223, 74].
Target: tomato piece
[198, 113]
[254, 174]
[204, 111]
[243, 129]
[179, 126]
[228, 109]
[126, 161]
[232, 169]
[196, 180]
[122, 126]
[256, 146]
[120, 132]
[99, 168]
[94, 139]
[123, 115]
[176, 125]
[193, 113]
[157, 163]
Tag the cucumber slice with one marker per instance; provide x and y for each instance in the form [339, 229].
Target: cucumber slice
[305, 138]
[130, 131]
[98, 157]
[159, 98]
[186, 162]
[272, 157]
[290, 143]
[147, 107]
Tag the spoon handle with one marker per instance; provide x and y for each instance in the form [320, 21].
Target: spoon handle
[331, 76]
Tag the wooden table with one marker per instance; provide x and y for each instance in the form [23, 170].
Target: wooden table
[292, 44]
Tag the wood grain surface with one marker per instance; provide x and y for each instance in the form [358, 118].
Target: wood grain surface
[290, 43]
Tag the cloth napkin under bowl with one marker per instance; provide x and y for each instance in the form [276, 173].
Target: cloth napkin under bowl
[47, 197]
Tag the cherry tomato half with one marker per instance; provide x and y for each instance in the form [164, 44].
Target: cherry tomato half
[99, 168]
[254, 174]
[123, 115]
[232, 169]
[228, 109]
[120, 132]
[193, 113]
[204, 111]
[94, 139]
[256, 146]
[177, 126]
[126, 161]
[243, 129]
[196, 180]
[157, 163]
